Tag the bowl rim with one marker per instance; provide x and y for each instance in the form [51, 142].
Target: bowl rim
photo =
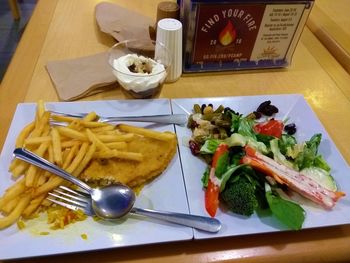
[110, 62]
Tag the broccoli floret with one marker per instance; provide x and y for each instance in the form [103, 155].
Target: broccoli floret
[240, 196]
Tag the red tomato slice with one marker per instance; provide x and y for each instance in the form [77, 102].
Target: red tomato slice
[271, 128]
[213, 190]
[212, 198]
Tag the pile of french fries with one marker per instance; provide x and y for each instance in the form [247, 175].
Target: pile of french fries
[70, 147]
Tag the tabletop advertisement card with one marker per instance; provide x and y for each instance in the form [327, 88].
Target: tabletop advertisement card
[232, 35]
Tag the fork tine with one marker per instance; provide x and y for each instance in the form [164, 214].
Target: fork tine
[79, 199]
[76, 192]
[69, 206]
[71, 199]
[64, 198]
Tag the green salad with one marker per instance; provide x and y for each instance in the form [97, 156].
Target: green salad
[255, 163]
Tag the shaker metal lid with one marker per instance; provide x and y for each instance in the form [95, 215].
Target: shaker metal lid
[169, 24]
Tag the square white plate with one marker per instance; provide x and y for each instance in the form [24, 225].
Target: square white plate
[167, 192]
[293, 107]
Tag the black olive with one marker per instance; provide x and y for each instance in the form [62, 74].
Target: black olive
[203, 107]
[267, 108]
[290, 128]
[228, 109]
[270, 110]
[263, 105]
[257, 115]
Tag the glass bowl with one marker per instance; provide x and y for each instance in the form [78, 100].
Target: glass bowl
[140, 66]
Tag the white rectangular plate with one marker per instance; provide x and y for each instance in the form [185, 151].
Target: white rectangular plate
[167, 192]
[293, 107]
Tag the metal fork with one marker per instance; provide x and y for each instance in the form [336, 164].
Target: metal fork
[77, 200]
[178, 119]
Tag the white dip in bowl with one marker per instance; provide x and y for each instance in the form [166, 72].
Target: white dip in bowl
[139, 75]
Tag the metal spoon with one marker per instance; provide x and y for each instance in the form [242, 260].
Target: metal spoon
[116, 200]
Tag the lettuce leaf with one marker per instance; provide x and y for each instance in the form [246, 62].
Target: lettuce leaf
[205, 178]
[277, 155]
[289, 213]
[309, 156]
[209, 146]
[286, 141]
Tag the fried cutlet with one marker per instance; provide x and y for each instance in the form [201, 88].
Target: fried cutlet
[157, 155]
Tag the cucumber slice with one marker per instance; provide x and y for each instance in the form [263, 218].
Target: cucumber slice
[321, 176]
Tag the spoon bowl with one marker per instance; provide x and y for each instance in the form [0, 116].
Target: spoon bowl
[112, 201]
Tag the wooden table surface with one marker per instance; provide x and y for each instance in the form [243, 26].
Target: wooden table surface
[63, 29]
[330, 22]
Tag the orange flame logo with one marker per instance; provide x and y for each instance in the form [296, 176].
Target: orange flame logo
[228, 34]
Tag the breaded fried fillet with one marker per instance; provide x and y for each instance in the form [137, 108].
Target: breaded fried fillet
[156, 157]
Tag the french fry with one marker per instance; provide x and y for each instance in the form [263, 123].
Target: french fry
[99, 144]
[70, 143]
[16, 212]
[10, 205]
[42, 178]
[78, 158]
[117, 145]
[51, 184]
[116, 138]
[87, 122]
[32, 171]
[103, 129]
[19, 168]
[88, 156]
[24, 134]
[33, 206]
[12, 192]
[61, 118]
[56, 146]
[163, 136]
[41, 124]
[71, 133]
[72, 152]
[40, 108]
[37, 140]
[30, 175]
[14, 163]
[50, 153]
[44, 175]
[76, 125]
[91, 116]
[46, 203]
[93, 124]
[132, 156]
[79, 122]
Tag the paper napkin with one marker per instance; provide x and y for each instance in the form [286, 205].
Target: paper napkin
[81, 77]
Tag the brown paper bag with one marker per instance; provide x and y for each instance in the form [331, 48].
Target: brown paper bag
[122, 23]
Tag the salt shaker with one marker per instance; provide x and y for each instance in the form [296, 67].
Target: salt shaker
[169, 33]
